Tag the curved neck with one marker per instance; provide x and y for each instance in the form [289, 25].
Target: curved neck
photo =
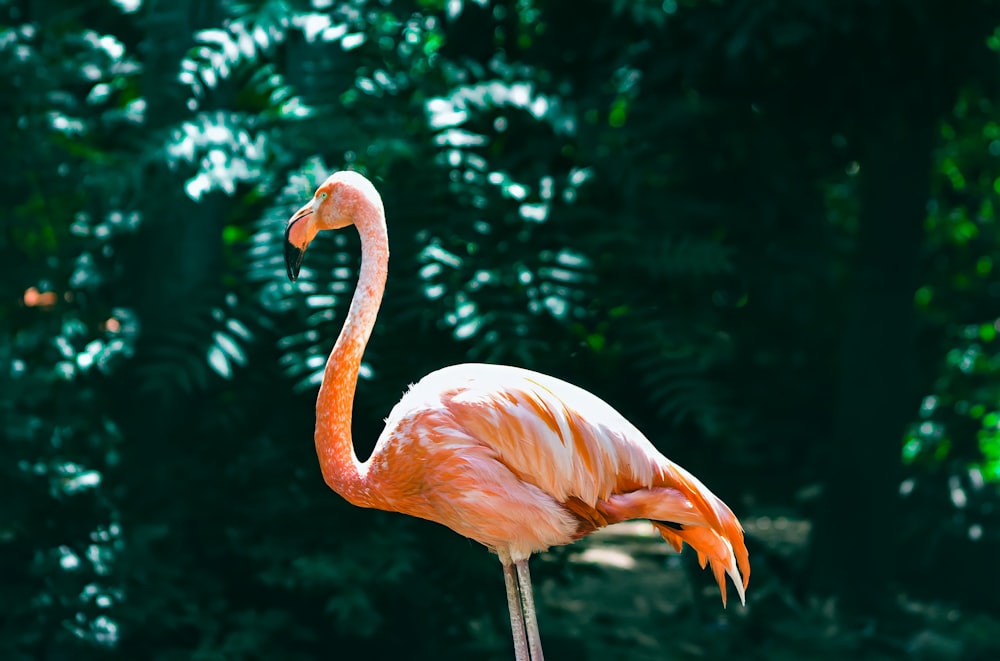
[334, 405]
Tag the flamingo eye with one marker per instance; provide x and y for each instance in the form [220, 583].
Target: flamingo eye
[322, 195]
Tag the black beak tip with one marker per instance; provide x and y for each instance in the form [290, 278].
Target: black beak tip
[293, 259]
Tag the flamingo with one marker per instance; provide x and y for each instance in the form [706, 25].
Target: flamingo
[513, 459]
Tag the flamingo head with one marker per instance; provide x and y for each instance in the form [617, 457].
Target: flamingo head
[338, 202]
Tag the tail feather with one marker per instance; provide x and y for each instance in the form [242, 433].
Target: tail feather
[715, 549]
[719, 539]
[683, 510]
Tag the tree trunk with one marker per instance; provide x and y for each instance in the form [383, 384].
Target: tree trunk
[177, 263]
[855, 540]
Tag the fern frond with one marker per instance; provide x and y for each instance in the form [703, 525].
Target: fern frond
[241, 50]
[515, 279]
[680, 364]
[228, 149]
[208, 340]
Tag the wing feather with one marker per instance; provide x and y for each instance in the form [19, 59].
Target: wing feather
[574, 447]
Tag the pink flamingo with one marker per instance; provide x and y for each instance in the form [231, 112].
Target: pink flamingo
[513, 459]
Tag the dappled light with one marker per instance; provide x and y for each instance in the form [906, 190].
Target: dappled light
[765, 232]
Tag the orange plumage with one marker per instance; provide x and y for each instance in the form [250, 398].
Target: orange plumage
[516, 460]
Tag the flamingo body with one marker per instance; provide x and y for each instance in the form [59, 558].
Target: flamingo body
[516, 460]
[520, 461]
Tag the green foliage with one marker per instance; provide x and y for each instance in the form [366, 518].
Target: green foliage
[642, 197]
[67, 99]
[954, 445]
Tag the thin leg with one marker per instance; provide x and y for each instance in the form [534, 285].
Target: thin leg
[514, 605]
[528, 602]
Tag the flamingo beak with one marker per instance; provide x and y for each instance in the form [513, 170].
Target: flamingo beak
[296, 241]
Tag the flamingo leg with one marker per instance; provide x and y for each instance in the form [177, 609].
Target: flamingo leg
[528, 603]
[514, 605]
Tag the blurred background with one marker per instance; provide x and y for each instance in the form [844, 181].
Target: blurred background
[767, 232]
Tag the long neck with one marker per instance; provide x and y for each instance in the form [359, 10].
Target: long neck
[334, 445]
